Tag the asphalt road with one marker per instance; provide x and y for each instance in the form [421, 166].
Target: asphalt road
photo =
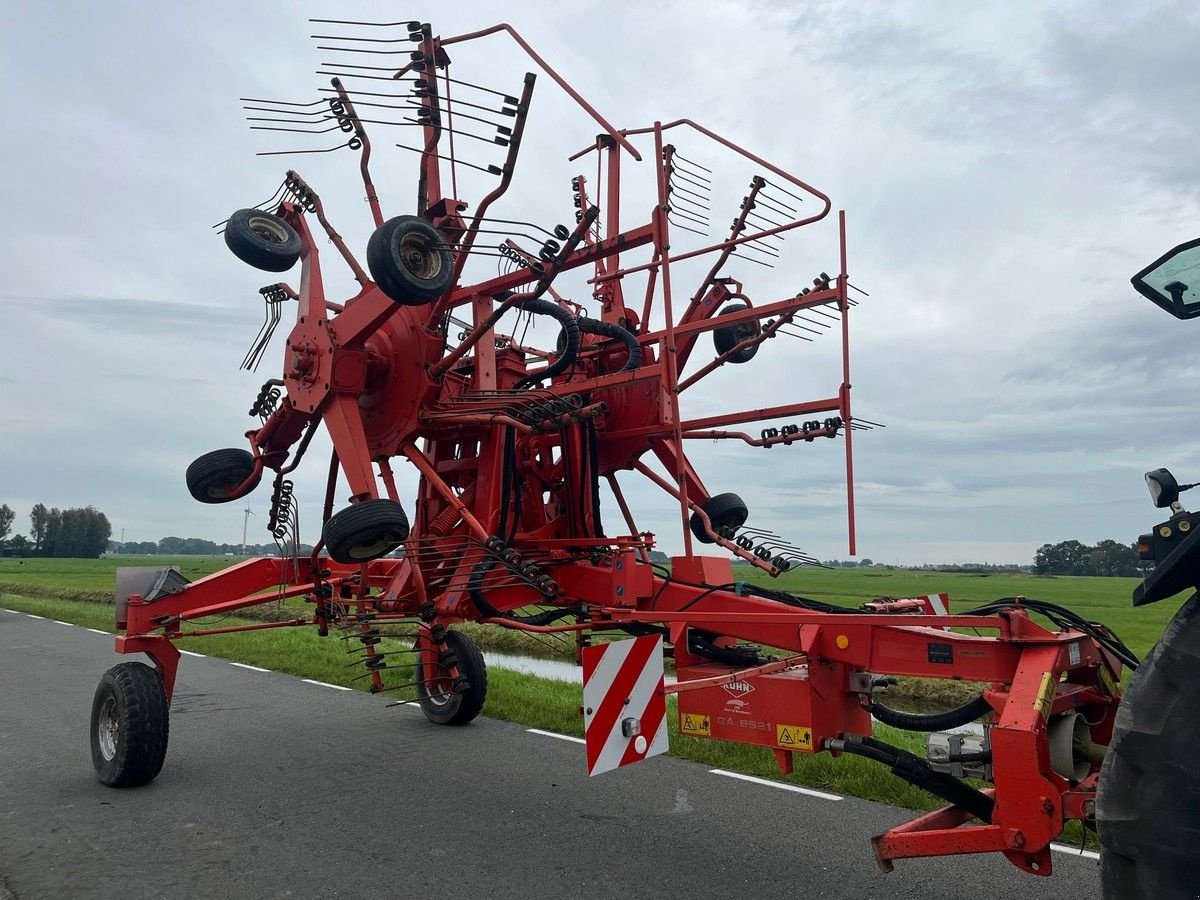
[276, 787]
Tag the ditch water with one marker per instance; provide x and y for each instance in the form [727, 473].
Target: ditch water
[556, 669]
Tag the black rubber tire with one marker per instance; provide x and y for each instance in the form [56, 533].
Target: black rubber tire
[1148, 801]
[262, 240]
[408, 260]
[213, 477]
[444, 707]
[723, 511]
[725, 339]
[129, 724]
[365, 531]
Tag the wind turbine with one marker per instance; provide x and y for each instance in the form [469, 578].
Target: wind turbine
[245, 524]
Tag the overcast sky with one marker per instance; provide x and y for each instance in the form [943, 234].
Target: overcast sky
[1005, 167]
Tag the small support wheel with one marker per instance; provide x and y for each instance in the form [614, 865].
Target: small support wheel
[442, 700]
[409, 261]
[728, 337]
[215, 477]
[365, 531]
[262, 240]
[723, 511]
[130, 721]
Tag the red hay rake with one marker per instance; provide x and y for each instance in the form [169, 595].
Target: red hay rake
[513, 441]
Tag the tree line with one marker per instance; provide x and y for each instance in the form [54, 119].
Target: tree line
[1106, 558]
[178, 546]
[77, 532]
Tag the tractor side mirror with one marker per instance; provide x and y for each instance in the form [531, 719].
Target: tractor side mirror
[1173, 281]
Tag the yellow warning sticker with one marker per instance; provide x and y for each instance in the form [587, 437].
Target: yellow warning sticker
[1044, 701]
[794, 737]
[694, 723]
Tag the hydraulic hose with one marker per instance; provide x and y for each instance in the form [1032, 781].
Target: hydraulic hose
[951, 718]
[570, 330]
[607, 329]
[918, 772]
[475, 591]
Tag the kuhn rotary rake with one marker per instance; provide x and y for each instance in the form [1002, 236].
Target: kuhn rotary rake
[513, 442]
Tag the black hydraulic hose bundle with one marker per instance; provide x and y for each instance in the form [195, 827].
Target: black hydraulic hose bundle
[1063, 618]
[1059, 615]
[796, 600]
[572, 328]
[570, 331]
[607, 329]
[703, 643]
[942, 721]
[510, 478]
[475, 591]
[917, 771]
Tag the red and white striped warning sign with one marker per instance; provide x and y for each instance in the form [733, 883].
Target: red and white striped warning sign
[936, 604]
[624, 703]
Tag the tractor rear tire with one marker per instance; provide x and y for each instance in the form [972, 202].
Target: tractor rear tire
[723, 511]
[365, 531]
[409, 261]
[130, 724]
[262, 240]
[438, 700]
[213, 477]
[728, 337]
[1148, 802]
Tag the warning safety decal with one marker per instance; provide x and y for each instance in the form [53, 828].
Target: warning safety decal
[794, 737]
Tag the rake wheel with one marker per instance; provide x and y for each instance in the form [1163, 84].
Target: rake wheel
[262, 240]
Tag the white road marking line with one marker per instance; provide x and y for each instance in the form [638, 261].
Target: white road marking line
[13, 611]
[32, 616]
[775, 784]
[201, 655]
[250, 667]
[98, 631]
[61, 622]
[1075, 851]
[336, 687]
[554, 734]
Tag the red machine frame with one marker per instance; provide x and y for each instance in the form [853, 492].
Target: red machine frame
[385, 381]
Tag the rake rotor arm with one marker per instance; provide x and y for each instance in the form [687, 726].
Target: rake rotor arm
[514, 147]
[344, 422]
[294, 218]
[364, 159]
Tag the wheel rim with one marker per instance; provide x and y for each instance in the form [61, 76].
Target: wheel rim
[440, 689]
[419, 256]
[374, 546]
[222, 489]
[269, 230]
[108, 728]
